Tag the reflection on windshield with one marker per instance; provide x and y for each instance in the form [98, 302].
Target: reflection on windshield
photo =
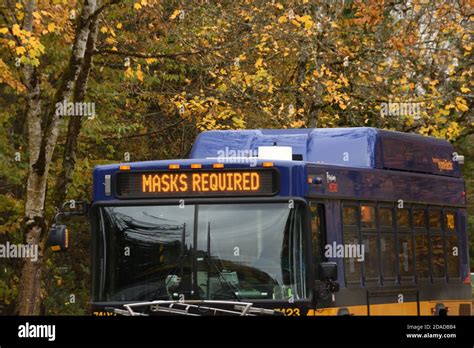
[243, 251]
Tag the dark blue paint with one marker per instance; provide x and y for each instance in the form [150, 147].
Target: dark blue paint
[292, 174]
[353, 152]
[387, 185]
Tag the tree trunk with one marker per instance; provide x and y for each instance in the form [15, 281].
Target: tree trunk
[64, 179]
[41, 143]
[30, 281]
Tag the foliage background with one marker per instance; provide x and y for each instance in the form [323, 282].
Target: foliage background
[165, 70]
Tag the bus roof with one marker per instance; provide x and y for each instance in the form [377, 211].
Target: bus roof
[361, 147]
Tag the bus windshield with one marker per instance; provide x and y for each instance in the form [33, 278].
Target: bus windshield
[204, 251]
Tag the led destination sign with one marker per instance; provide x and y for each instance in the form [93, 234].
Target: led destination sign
[196, 183]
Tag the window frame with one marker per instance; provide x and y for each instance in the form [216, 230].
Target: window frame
[351, 229]
[371, 231]
[387, 231]
[450, 233]
[406, 231]
[422, 231]
[437, 231]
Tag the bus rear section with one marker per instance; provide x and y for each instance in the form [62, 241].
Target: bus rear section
[396, 227]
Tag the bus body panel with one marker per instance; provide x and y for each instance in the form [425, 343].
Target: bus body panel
[355, 165]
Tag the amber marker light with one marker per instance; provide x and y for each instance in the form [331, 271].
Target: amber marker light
[173, 166]
[124, 167]
[218, 165]
[267, 164]
[196, 166]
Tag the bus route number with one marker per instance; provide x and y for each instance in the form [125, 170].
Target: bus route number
[289, 312]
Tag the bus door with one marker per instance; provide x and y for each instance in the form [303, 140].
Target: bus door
[318, 233]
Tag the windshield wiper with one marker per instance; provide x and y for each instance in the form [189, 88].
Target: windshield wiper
[179, 264]
[222, 280]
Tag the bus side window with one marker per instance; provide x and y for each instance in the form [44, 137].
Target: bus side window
[437, 244]
[387, 243]
[318, 233]
[422, 252]
[452, 247]
[350, 220]
[405, 243]
[370, 240]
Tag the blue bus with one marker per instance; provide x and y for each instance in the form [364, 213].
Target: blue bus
[304, 222]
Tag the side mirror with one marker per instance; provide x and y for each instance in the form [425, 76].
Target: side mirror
[58, 238]
[327, 271]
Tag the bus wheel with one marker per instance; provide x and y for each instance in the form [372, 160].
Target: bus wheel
[343, 311]
[440, 310]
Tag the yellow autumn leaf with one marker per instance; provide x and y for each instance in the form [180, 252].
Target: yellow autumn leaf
[103, 29]
[137, 6]
[139, 73]
[16, 30]
[7, 77]
[3, 30]
[129, 72]
[175, 14]
[20, 50]
[151, 60]
[282, 19]
[464, 89]
[119, 26]
[307, 21]
[37, 15]
[11, 43]
[259, 63]
[144, 2]
[461, 104]
[378, 78]
[295, 22]
[51, 27]
[279, 6]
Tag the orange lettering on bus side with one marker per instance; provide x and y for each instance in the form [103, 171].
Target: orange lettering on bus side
[196, 182]
[246, 181]
[213, 179]
[254, 181]
[146, 183]
[205, 181]
[165, 183]
[238, 181]
[174, 182]
[156, 183]
[222, 182]
[183, 182]
[230, 187]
